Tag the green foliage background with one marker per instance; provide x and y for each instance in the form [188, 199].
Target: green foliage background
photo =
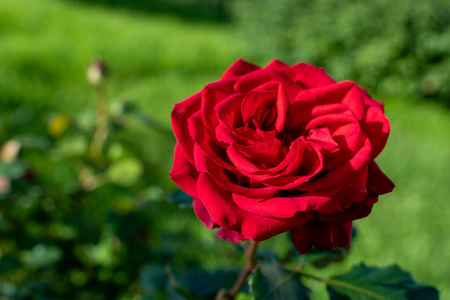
[60, 238]
[391, 47]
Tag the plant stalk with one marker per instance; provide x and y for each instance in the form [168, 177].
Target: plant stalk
[250, 249]
[101, 120]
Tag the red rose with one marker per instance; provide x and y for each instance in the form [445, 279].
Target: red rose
[282, 148]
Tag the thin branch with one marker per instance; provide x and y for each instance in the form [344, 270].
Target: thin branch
[250, 263]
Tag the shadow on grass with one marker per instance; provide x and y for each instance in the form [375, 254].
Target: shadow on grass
[193, 10]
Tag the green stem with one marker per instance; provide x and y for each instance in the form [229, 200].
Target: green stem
[101, 120]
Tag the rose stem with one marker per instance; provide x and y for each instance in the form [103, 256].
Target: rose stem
[250, 263]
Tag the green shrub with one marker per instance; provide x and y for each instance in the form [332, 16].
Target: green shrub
[389, 47]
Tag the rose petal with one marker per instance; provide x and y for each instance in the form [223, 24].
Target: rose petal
[202, 214]
[282, 107]
[228, 215]
[229, 111]
[242, 135]
[203, 139]
[342, 173]
[309, 164]
[239, 67]
[277, 65]
[321, 235]
[355, 102]
[368, 100]
[354, 190]
[230, 235]
[285, 207]
[257, 106]
[307, 100]
[307, 75]
[213, 94]
[323, 139]
[252, 80]
[180, 114]
[378, 183]
[261, 155]
[300, 164]
[184, 173]
[228, 181]
[356, 211]
[377, 127]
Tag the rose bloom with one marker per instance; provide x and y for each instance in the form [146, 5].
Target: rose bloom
[282, 148]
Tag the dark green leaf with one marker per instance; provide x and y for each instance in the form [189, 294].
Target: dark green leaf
[204, 284]
[8, 263]
[370, 283]
[153, 280]
[181, 198]
[271, 281]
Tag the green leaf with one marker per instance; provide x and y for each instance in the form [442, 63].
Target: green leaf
[42, 255]
[34, 142]
[12, 170]
[370, 283]
[271, 281]
[181, 198]
[72, 145]
[126, 171]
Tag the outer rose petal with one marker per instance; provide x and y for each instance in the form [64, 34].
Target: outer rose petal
[377, 127]
[239, 67]
[180, 114]
[308, 75]
[378, 183]
[342, 173]
[277, 65]
[285, 207]
[202, 214]
[356, 211]
[204, 140]
[250, 81]
[213, 94]
[230, 235]
[183, 173]
[325, 236]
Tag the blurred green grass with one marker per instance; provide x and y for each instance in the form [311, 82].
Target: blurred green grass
[47, 45]
[156, 60]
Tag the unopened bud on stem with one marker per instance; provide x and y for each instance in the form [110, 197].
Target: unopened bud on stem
[97, 72]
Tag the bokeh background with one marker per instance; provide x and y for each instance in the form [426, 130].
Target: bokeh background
[77, 222]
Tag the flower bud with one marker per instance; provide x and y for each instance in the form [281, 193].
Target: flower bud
[96, 72]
